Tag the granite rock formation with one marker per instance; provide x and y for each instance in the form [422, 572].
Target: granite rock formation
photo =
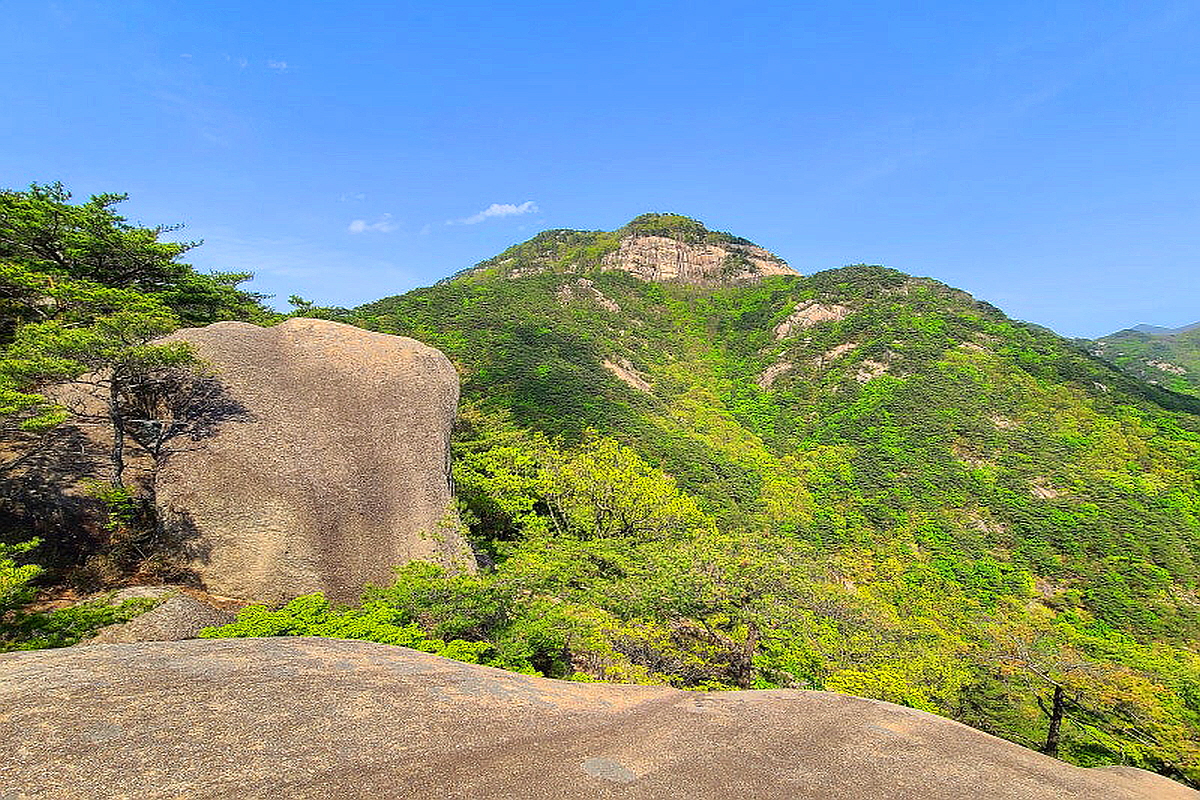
[182, 613]
[331, 469]
[661, 258]
[332, 719]
[655, 247]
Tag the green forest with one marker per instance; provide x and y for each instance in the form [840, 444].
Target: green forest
[857, 481]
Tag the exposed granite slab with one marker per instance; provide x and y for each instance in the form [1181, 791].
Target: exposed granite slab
[329, 719]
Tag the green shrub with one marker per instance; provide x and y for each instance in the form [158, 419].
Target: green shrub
[23, 629]
[15, 579]
[311, 615]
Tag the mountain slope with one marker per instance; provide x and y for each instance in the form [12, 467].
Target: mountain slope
[1158, 330]
[911, 497]
[1168, 357]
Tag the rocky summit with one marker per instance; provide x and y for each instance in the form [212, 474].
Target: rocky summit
[664, 248]
[330, 719]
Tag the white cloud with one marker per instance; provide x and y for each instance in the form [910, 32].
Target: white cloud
[282, 66]
[498, 210]
[382, 225]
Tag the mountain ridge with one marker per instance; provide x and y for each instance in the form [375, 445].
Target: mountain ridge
[855, 481]
[1158, 330]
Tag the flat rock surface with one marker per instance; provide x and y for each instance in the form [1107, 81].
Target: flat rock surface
[329, 466]
[330, 719]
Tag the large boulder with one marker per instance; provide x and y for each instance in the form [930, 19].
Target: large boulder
[328, 719]
[329, 466]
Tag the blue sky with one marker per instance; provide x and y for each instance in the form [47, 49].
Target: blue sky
[1041, 155]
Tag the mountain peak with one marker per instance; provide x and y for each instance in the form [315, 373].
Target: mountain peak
[680, 228]
[654, 247]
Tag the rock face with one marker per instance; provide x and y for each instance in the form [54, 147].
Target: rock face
[654, 247]
[659, 258]
[330, 468]
[807, 314]
[329, 719]
[584, 289]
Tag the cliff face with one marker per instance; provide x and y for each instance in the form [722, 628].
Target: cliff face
[662, 258]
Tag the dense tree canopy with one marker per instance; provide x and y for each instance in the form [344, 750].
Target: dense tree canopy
[42, 231]
[82, 291]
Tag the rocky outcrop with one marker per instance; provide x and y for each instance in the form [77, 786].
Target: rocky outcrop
[628, 374]
[584, 289]
[766, 379]
[807, 314]
[181, 615]
[330, 468]
[660, 258]
[654, 247]
[329, 719]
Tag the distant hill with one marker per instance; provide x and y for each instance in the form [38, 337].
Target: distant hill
[1168, 357]
[1158, 330]
[904, 485]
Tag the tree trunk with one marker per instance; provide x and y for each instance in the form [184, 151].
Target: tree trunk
[746, 668]
[118, 426]
[1056, 718]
